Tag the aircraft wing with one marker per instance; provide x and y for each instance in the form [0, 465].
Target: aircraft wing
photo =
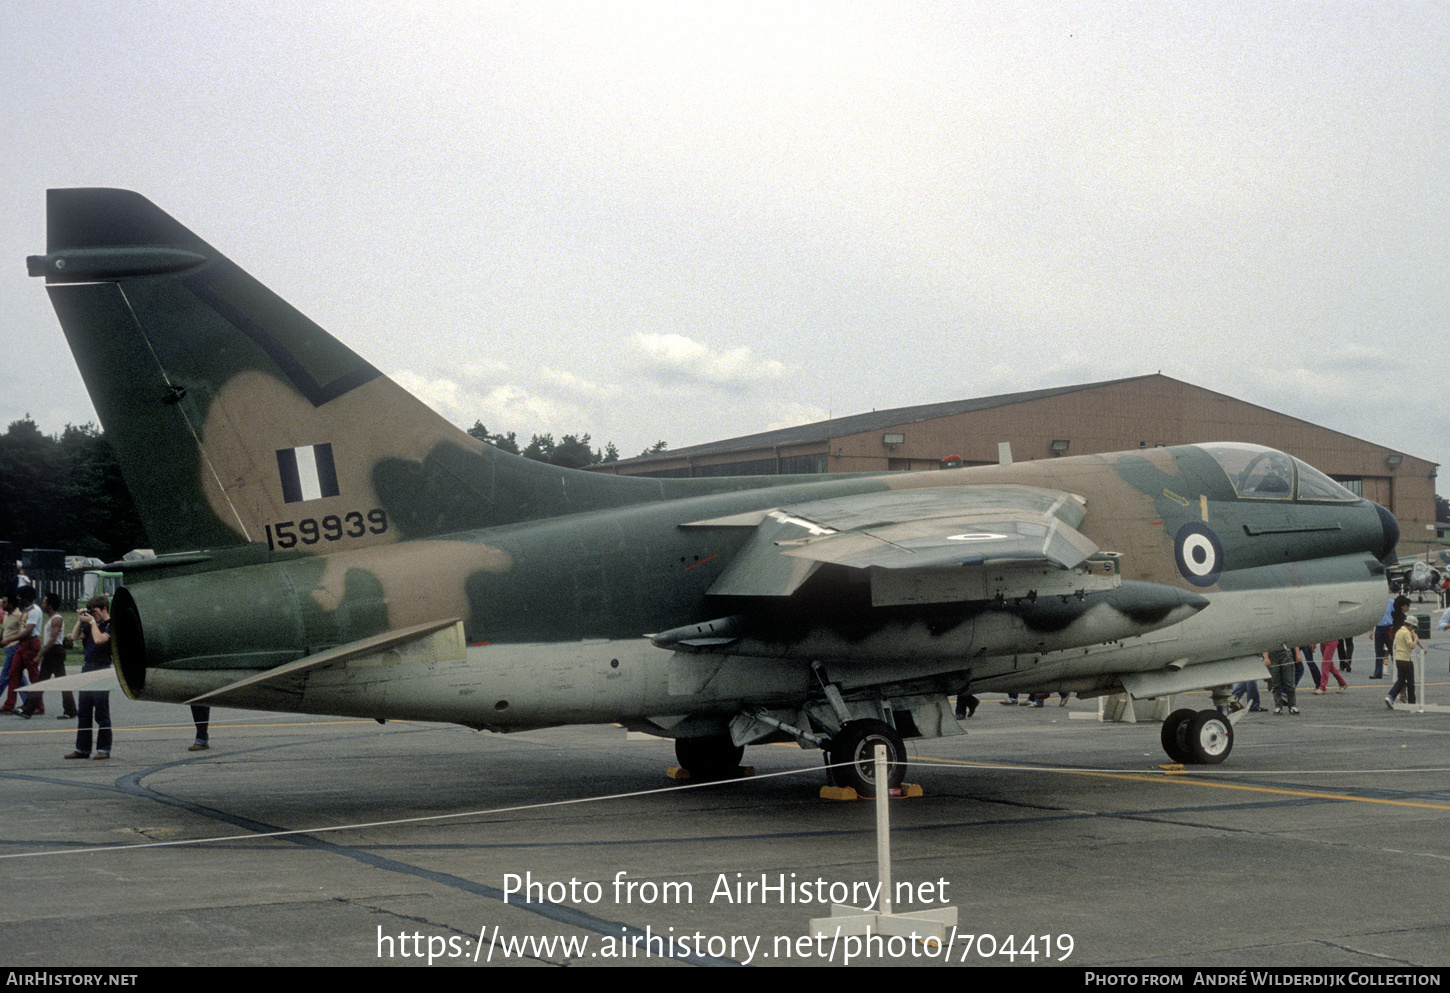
[1014, 551]
[933, 529]
[969, 539]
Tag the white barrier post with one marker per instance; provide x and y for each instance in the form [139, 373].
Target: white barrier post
[923, 925]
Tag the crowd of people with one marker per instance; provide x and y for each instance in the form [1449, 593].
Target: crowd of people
[35, 650]
[36, 644]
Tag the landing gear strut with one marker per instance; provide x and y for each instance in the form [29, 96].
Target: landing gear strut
[1204, 737]
[855, 744]
[711, 757]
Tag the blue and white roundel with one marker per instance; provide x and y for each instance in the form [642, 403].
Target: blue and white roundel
[1199, 554]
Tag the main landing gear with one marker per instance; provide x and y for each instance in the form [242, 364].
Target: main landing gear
[711, 757]
[1203, 737]
[851, 753]
[855, 745]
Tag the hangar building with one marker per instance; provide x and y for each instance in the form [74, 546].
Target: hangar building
[1138, 412]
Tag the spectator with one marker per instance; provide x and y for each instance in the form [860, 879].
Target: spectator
[93, 629]
[52, 658]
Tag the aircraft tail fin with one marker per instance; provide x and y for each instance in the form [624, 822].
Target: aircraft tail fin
[237, 420]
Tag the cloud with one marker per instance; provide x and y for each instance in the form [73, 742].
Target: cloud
[788, 415]
[1358, 390]
[482, 369]
[1068, 368]
[674, 358]
[577, 384]
[500, 406]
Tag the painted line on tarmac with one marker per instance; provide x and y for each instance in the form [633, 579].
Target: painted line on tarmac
[1182, 779]
[265, 832]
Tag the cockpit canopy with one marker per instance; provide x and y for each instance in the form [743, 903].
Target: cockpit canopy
[1259, 473]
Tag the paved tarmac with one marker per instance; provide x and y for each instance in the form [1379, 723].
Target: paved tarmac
[1322, 841]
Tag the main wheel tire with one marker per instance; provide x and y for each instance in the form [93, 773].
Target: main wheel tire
[712, 757]
[1210, 737]
[1175, 735]
[852, 752]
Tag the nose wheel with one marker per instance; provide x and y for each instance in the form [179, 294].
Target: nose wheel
[1202, 737]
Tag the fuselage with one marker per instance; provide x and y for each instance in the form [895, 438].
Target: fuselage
[558, 613]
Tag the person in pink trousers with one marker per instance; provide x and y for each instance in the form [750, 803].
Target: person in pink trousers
[1326, 651]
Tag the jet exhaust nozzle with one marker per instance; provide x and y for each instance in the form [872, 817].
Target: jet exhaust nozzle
[128, 643]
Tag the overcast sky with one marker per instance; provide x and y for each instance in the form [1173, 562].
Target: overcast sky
[690, 221]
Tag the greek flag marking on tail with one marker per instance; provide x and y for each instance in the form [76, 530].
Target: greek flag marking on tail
[307, 472]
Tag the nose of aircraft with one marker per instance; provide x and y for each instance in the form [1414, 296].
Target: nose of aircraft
[1391, 529]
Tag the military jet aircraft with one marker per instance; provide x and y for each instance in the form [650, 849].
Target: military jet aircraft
[332, 546]
[1420, 574]
[1418, 577]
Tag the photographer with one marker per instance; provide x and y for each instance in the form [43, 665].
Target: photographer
[93, 628]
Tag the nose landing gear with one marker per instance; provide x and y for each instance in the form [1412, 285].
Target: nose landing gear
[1202, 737]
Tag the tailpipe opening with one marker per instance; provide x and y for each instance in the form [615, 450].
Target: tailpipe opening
[128, 643]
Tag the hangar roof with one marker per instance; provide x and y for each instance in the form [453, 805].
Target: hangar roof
[873, 420]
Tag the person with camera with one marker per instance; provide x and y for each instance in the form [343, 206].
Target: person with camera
[93, 629]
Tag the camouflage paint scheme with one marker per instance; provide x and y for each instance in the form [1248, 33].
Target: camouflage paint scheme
[315, 516]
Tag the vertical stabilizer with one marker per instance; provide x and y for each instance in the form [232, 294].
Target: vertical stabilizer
[238, 420]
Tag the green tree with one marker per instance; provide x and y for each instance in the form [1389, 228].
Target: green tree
[570, 450]
[65, 492]
[505, 442]
[574, 452]
[103, 517]
[540, 448]
[29, 473]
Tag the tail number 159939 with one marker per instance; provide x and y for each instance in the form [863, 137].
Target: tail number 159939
[310, 530]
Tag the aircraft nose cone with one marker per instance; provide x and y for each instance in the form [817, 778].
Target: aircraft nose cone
[1391, 529]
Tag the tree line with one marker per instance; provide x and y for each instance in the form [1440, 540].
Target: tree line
[65, 491]
[570, 451]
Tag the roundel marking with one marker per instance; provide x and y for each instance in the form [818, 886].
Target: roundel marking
[1199, 554]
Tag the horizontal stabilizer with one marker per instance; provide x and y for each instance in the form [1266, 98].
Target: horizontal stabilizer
[342, 653]
[97, 680]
